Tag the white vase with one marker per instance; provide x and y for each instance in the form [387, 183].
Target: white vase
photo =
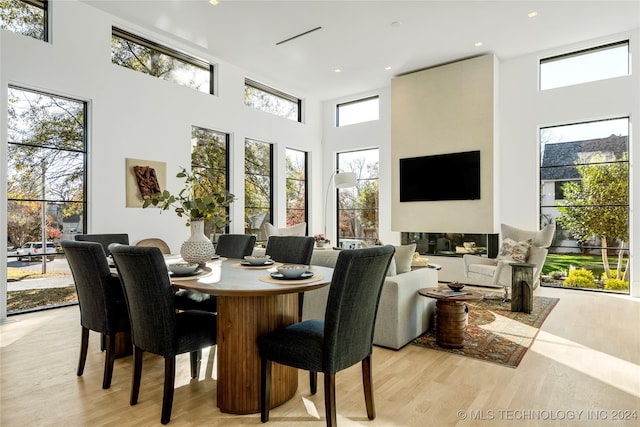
[198, 248]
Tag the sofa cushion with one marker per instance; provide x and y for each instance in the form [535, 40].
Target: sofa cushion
[295, 230]
[514, 251]
[403, 258]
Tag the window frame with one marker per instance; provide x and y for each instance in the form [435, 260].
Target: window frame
[276, 93]
[227, 145]
[165, 50]
[581, 53]
[305, 180]
[269, 210]
[359, 181]
[353, 102]
[44, 6]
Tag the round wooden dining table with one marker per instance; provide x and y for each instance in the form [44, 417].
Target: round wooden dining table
[250, 303]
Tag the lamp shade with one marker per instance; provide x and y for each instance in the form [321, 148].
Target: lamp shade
[345, 180]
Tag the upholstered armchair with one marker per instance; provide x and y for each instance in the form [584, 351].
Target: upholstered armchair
[497, 272]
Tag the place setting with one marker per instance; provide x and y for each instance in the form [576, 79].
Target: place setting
[186, 270]
[290, 273]
[257, 262]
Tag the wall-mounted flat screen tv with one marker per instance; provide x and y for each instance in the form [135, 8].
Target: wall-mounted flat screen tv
[452, 176]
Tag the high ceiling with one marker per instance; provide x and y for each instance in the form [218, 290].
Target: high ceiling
[363, 38]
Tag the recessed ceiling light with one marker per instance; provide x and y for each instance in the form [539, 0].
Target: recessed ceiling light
[532, 14]
[396, 23]
[213, 2]
[478, 44]
[337, 70]
[387, 68]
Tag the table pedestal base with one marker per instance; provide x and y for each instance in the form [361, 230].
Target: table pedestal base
[240, 321]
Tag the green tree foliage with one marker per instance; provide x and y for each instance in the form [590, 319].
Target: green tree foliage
[22, 18]
[597, 206]
[295, 187]
[270, 103]
[155, 63]
[257, 184]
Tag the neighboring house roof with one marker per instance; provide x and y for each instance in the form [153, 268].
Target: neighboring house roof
[558, 158]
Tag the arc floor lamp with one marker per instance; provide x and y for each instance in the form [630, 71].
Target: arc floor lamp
[340, 180]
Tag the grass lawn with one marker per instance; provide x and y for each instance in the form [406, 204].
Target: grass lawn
[557, 262]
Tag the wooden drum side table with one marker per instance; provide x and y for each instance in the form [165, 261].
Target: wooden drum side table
[451, 316]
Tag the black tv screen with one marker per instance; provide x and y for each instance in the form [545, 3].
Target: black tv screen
[453, 176]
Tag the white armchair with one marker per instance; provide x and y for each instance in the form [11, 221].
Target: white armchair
[497, 272]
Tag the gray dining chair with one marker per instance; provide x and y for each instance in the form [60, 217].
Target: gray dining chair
[104, 239]
[156, 327]
[291, 250]
[342, 339]
[100, 299]
[235, 245]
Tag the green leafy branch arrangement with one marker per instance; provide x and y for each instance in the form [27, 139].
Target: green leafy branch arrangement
[198, 199]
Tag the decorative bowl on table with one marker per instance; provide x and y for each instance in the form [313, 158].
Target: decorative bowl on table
[183, 268]
[292, 271]
[455, 286]
[258, 259]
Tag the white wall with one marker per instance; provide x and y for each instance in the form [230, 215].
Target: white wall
[132, 115]
[360, 136]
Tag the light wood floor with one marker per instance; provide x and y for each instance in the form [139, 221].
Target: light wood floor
[585, 358]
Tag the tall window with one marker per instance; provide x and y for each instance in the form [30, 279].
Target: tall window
[358, 207]
[296, 182]
[145, 56]
[584, 188]
[210, 160]
[258, 188]
[270, 100]
[599, 63]
[46, 160]
[361, 110]
[26, 17]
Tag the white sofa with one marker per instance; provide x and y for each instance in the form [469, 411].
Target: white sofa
[403, 314]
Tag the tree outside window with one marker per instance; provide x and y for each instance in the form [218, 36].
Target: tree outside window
[296, 182]
[209, 160]
[358, 206]
[588, 163]
[257, 187]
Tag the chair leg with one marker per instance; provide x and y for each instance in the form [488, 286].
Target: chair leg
[330, 399]
[109, 358]
[196, 357]
[265, 388]
[103, 340]
[167, 397]
[313, 382]
[368, 387]
[137, 373]
[84, 345]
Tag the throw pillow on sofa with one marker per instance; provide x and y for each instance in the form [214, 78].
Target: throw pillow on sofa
[514, 251]
[403, 258]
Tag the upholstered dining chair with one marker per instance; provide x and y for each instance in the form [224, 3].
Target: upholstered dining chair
[342, 339]
[104, 239]
[229, 246]
[100, 299]
[291, 250]
[156, 327]
[518, 245]
[235, 245]
[155, 243]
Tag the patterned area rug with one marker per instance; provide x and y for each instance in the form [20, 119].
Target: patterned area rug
[496, 334]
